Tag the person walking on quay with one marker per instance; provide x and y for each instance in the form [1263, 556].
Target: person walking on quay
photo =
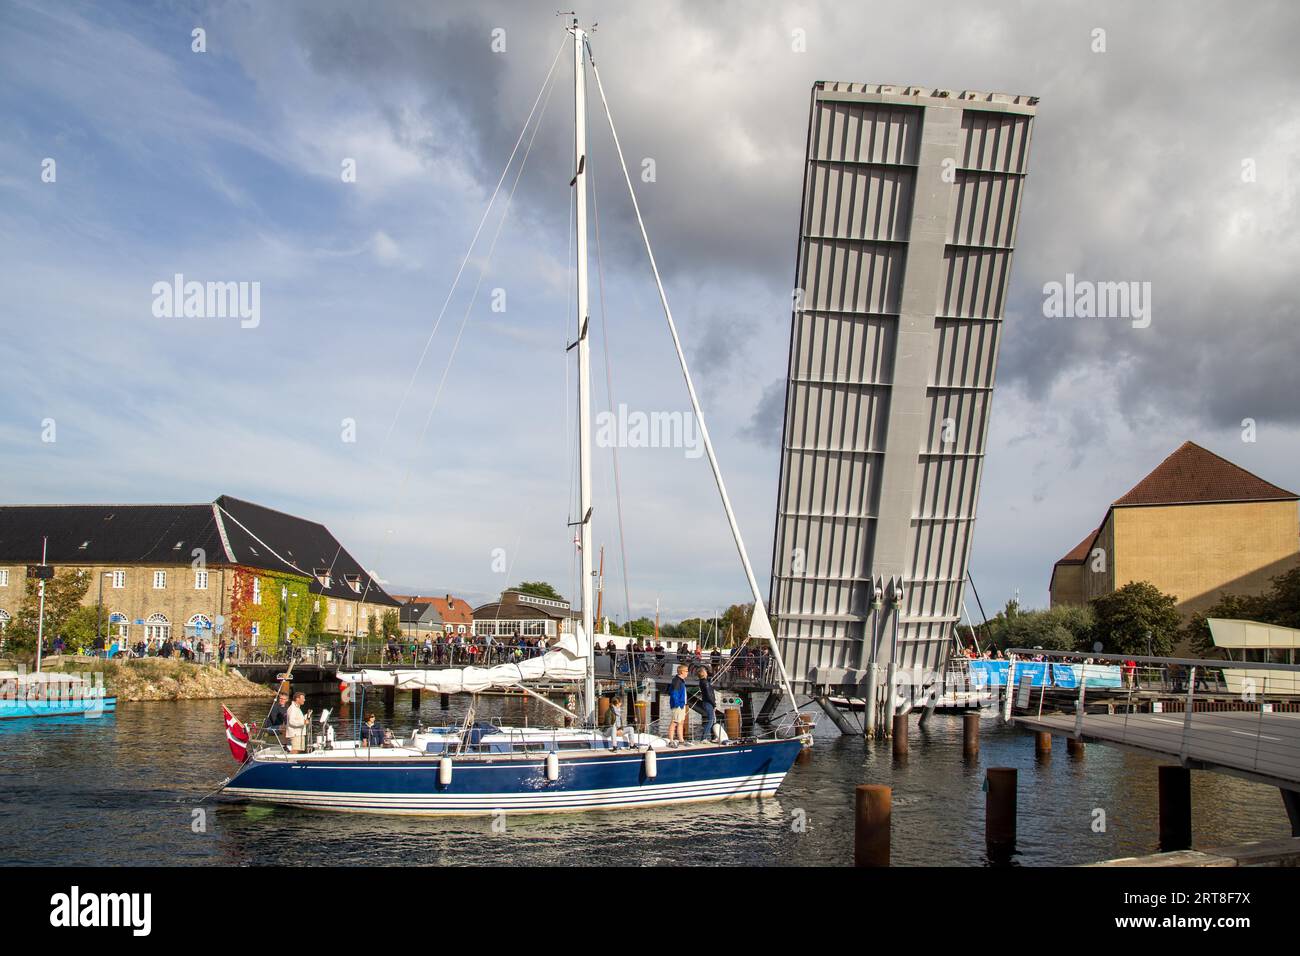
[296, 722]
[677, 707]
[708, 701]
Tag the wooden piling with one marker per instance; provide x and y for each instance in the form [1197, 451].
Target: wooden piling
[1074, 747]
[1175, 784]
[415, 700]
[1043, 743]
[444, 701]
[970, 734]
[602, 710]
[731, 715]
[643, 716]
[873, 805]
[900, 735]
[1000, 810]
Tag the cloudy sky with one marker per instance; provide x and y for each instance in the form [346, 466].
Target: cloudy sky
[1173, 157]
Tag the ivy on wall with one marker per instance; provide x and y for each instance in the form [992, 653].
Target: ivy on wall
[277, 616]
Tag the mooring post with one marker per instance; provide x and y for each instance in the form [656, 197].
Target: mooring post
[970, 734]
[900, 735]
[390, 696]
[1043, 743]
[415, 700]
[1000, 810]
[444, 701]
[1074, 747]
[873, 804]
[732, 717]
[1175, 784]
[602, 709]
[643, 716]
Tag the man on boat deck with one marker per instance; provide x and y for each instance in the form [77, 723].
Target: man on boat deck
[677, 705]
[296, 722]
[279, 710]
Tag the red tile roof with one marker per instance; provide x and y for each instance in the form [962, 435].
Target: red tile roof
[1193, 475]
[1077, 554]
[453, 610]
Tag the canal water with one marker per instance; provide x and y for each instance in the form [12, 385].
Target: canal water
[123, 790]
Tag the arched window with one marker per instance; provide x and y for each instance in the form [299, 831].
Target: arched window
[117, 624]
[157, 629]
[4, 619]
[199, 625]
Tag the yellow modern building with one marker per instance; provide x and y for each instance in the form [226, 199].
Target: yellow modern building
[1195, 527]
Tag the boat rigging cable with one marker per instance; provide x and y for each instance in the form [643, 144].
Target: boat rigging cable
[543, 97]
[609, 397]
[759, 620]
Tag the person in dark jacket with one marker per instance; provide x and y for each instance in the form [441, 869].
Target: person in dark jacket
[708, 702]
[279, 714]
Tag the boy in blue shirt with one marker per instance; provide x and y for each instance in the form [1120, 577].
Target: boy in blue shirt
[677, 707]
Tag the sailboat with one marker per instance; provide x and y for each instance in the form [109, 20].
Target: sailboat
[479, 767]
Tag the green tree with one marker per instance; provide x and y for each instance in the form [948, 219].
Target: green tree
[63, 595]
[391, 625]
[372, 628]
[734, 626]
[537, 589]
[1126, 616]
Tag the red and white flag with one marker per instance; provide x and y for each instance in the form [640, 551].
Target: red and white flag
[236, 735]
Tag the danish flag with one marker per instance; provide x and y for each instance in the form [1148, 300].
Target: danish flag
[236, 735]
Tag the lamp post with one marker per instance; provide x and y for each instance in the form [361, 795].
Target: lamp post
[99, 608]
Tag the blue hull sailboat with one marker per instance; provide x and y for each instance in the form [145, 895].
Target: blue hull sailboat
[480, 768]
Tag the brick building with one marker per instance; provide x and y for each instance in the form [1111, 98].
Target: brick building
[167, 571]
[1197, 526]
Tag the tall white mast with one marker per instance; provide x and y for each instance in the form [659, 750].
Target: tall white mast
[584, 361]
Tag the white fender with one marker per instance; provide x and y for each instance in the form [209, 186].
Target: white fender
[720, 734]
[651, 764]
[444, 771]
[552, 766]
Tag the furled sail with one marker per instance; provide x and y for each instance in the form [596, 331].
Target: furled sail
[565, 661]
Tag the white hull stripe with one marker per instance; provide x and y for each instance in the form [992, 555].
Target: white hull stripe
[762, 785]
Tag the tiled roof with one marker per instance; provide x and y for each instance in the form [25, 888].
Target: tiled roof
[1077, 554]
[1194, 475]
[229, 531]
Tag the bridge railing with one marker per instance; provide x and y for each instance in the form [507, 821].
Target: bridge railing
[1221, 711]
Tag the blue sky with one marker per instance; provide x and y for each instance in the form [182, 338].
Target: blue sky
[225, 166]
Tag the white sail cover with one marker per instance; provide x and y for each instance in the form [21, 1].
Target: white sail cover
[565, 661]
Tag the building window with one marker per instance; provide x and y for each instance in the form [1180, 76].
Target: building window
[117, 624]
[159, 580]
[199, 625]
[4, 579]
[119, 579]
[257, 590]
[200, 580]
[157, 629]
[4, 619]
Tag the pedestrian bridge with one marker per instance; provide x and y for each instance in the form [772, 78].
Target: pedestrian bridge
[1200, 713]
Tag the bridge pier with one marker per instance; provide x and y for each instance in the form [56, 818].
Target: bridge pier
[415, 700]
[390, 697]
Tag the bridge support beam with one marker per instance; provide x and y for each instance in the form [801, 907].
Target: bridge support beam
[1175, 808]
[415, 700]
[1000, 812]
[837, 718]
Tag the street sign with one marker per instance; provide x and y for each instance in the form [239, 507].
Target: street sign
[40, 571]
